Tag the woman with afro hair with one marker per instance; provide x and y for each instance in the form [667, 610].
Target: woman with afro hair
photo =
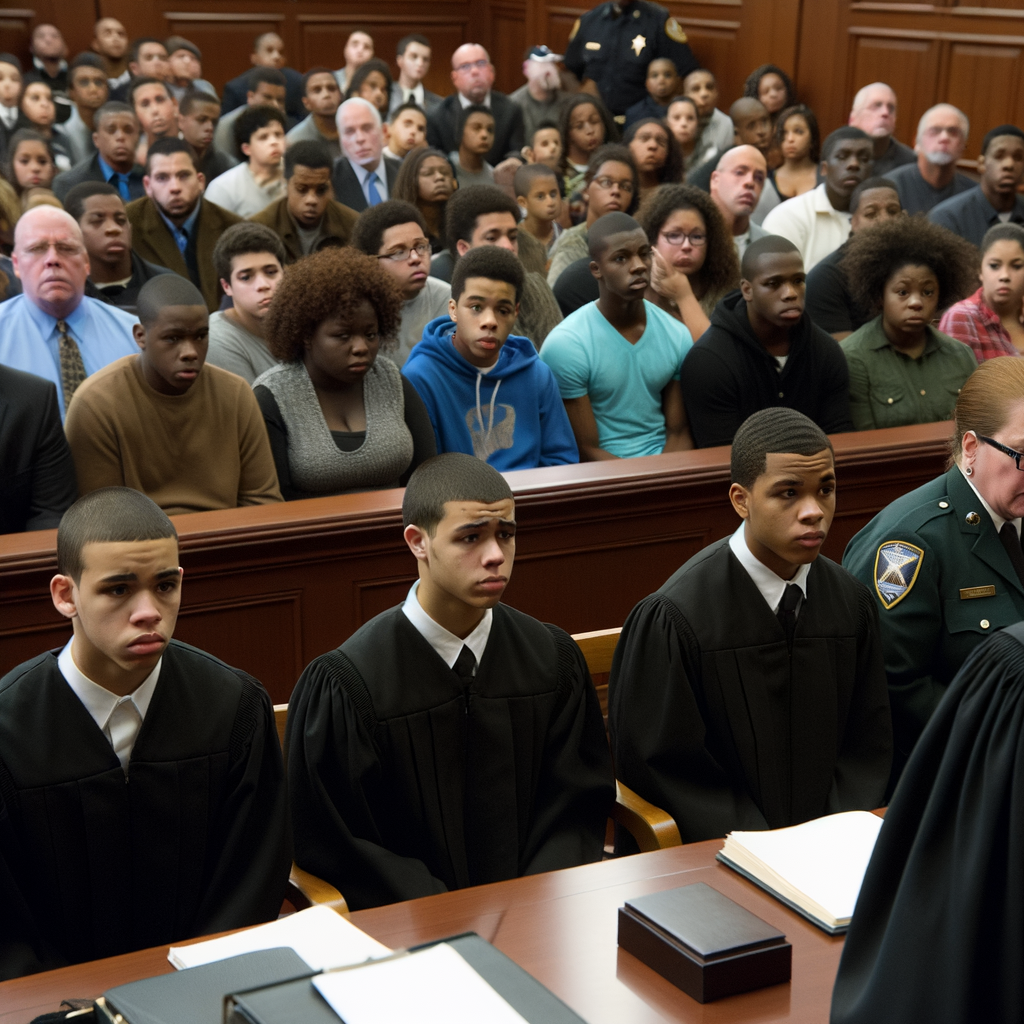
[339, 418]
[695, 262]
[903, 370]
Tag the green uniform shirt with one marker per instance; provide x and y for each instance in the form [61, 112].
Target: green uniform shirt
[888, 389]
[943, 582]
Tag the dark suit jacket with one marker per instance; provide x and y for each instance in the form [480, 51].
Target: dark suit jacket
[237, 89]
[153, 241]
[431, 101]
[89, 170]
[347, 189]
[339, 222]
[35, 462]
[508, 126]
[127, 297]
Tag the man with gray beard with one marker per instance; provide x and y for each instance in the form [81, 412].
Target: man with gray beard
[941, 140]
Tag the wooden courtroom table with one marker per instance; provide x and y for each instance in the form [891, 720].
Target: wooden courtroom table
[272, 587]
[561, 927]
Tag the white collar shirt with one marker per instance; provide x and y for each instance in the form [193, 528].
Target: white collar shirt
[997, 520]
[101, 703]
[811, 223]
[771, 585]
[415, 94]
[466, 102]
[447, 645]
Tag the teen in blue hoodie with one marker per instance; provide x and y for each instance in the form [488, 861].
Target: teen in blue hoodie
[485, 390]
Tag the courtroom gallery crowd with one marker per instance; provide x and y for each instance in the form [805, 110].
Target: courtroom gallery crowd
[319, 283]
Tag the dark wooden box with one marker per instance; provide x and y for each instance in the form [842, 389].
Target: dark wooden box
[704, 943]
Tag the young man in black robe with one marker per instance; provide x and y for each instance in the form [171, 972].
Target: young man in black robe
[142, 796]
[452, 740]
[749, 692]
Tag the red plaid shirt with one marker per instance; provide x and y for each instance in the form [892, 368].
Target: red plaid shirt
[973, 323]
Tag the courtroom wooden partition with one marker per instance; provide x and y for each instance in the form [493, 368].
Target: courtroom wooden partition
[968, 53]
[269, 588]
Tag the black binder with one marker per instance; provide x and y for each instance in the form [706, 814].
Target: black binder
[196, 996]
[298, 1002]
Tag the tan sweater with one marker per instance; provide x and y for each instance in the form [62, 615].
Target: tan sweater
[202, 450]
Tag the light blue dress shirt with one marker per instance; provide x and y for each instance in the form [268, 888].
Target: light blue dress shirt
[181, 235]
[29, 339]
[364, 176]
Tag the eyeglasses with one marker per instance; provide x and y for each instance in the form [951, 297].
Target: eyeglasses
[469, 65]
[422, 249]
[1015, 455]
[676, 238]
[607, 183]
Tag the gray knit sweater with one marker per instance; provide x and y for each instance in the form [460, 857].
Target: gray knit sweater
[317, 465]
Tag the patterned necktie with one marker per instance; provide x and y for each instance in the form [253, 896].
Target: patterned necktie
[787, 610]
[465, 664]
[72, 369]
[123, 726]
[1008, 535]
[371, 189]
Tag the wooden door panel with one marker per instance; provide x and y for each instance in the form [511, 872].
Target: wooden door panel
[985, 83]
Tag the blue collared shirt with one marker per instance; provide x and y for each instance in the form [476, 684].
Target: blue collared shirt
[132, 177]
[181, 235]
[363, 174]
[29, 339]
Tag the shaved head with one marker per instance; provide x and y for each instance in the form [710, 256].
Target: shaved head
[166, 290]
[772, 245]
[738, 155]
[603, 228]
[746, 106]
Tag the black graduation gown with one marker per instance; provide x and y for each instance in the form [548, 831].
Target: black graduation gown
[716, 721]
[403, 784]
[193, 839]
[938, 931]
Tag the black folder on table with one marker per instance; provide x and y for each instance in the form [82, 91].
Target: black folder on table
[196, 995]
[298, 1002]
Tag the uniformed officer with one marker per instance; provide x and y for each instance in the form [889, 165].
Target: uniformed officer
[945, 561]
[612, 45]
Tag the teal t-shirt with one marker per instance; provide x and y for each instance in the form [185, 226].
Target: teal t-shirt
[624, 382]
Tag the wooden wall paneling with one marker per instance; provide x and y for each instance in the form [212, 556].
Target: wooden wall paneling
[558, 23]
[16, 32]
[507, 29]
[715, 43]
[984, 81]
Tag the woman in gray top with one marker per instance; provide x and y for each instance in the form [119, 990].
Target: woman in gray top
[339, 419]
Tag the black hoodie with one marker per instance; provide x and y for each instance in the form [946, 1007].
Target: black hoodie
[728, 375]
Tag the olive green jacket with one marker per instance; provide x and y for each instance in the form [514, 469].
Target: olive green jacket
[888, 389]
[943, 582]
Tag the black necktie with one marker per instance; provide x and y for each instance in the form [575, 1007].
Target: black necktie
[465, 664]
[787, 610]
[1011, 541]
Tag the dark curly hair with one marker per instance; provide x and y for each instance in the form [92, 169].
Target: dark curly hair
[876, 253]
[611, 131]
[721, 269]
[330, 283]
[753, 83]
[621, 155]
[804, 111]
[672, 169]
[407, 184]
[363, 72]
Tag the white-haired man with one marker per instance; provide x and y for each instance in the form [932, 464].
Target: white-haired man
[53, 329]
[933, 177]
[874, 112]
[362, 176]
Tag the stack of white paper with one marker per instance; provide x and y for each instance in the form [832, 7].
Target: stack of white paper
[323, 938]
[435, 986]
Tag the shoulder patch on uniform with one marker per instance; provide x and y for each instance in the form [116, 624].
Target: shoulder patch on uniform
[575, 29]
[674, 31]
[897, 565]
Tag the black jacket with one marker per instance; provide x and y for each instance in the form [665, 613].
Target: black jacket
[127, 297]
[89, 170]
[347, 189]
[443, 123]
[728, 375]
[37, 474]
[236, 91]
